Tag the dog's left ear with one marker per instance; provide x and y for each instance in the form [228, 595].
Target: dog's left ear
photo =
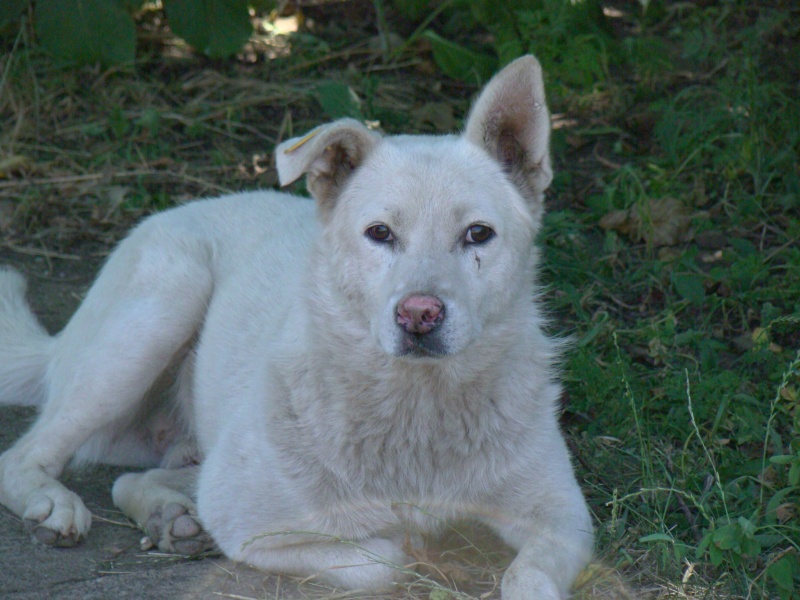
[328, 155]
[510, 121]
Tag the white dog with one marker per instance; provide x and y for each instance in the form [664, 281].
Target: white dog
[308, 381]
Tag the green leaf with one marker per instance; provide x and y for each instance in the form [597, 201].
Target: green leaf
[690, 287]
[727, 537]
[704, 544]
[10, 10]
[150, 120]
[656, 537]
[777, 499]
[782, 459]
[217, 28]
[338, 100]
[119, 124]
[86, 31]
[750, 547]
[459, 62]
[747, 526]
[413, 10]
[768, 540]
[715, 554]
[130, 6]
[743, 247]
[781, 573]
[794, 473]
[508, 47]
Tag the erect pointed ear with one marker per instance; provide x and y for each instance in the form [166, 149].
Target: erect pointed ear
[328, 155]
[510, 121]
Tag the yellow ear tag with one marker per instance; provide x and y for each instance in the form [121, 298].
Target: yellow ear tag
[301, 141]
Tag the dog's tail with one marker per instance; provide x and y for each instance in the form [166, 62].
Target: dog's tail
[24, 345]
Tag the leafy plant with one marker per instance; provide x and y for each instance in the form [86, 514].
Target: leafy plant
[91, 31]
[569, 37]
[87, 31]
[10, 10]
[217, 28]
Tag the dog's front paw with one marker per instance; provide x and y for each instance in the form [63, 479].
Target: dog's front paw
[56, 517]
[528, 584]
[175, 528]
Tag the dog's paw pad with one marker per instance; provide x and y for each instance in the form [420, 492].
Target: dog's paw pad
[153, 527]
[185, 527]
[190, 547]
[174, 528]
[40, 534]
[49, 537]
[56, 517]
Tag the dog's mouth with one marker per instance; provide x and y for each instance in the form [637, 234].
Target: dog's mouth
[416, 345]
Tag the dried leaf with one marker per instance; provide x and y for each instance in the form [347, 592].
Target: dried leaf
[785, 512]
[658, 222]
[761, 340]
[11, 165]
[436, 114]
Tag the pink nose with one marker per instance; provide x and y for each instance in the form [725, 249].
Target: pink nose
[420, 314]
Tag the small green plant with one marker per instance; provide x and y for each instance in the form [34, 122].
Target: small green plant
[569, 37]
[91, 31]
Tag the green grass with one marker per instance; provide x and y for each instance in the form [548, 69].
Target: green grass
[683, 381]
[681, 122]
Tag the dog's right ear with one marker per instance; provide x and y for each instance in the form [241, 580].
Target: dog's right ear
[327, 155]
[510, 121]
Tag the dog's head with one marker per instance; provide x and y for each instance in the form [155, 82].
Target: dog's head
[428, 239]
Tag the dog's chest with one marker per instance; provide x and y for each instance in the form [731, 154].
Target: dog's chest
[399, 436]
[419, 447]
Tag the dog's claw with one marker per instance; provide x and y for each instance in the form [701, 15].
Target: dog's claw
[146, 544]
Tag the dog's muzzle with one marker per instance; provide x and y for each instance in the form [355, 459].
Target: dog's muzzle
[419, 316]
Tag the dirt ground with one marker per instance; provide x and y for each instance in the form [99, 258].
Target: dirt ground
[109, 563]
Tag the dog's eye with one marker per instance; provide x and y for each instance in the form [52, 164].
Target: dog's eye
[380, 233]
[478, 234]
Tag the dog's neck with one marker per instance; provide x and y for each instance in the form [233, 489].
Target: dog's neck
[454, 412]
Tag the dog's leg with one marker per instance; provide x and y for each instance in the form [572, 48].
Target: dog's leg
[147, 303]
[372, 564]
[554, 541]
[160, 502]
[547, 563]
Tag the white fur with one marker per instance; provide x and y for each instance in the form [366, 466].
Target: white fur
[257, 335]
